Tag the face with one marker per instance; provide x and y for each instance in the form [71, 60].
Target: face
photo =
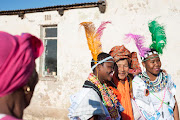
[32, 83]
[152, 65]
[106, 71]
[123, 69]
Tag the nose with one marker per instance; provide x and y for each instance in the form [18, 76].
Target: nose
[121, 68]
[157, 63]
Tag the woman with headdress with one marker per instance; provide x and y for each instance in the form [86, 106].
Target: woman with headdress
[95, 101]
[126, 67]
[18, 76]
[153, 90]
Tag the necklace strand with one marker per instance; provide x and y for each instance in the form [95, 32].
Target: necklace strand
[109, 99]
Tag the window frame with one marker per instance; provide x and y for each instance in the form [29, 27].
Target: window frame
[42, 61]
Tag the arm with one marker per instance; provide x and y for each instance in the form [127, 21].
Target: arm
[95, 117]
[176, 111]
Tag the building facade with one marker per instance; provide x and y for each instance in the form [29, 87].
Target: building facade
[65, 63]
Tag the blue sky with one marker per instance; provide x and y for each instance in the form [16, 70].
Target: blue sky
[25, 4]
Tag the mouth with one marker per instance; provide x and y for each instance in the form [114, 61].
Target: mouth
[157, 69]
[121, 73]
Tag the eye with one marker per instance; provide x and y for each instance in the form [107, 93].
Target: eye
[112, 67]
[126, 66]
[152, 61]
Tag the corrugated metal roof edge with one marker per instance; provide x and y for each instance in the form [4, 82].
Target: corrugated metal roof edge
[51, 8]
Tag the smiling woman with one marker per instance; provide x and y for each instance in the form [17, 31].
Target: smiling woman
[126, 64]
[154, 90]
[152, 65]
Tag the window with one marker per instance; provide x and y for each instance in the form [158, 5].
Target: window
[50, 55]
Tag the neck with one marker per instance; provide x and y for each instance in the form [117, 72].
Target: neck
[5, 109]
[6, 105]
[99, 77]
[12, 105]
[151, 76]
[122, 80]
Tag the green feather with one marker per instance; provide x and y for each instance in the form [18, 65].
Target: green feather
[158, 36]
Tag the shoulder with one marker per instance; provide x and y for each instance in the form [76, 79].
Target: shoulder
[171, 85]
[85, 95]
[8, 117]
[85, 104]
[138, 80]
[138, 85]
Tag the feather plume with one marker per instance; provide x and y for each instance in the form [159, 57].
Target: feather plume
[158, 36]
[139, 41]
[99, 31]
[93, 37]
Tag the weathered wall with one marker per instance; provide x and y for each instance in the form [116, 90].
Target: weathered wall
[51, 97]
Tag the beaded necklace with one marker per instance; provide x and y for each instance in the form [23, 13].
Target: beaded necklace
[109, 99]
[156, 85]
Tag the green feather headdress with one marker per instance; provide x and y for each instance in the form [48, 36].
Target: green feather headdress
[158, 36]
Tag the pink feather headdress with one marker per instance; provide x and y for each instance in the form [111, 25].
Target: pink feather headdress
[139, 41]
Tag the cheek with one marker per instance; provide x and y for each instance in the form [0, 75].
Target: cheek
[28, 98]
[126, 69]
[148, 65]
[160, 64]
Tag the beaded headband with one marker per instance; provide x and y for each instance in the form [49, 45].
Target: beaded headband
[148, 54]
[102, 61]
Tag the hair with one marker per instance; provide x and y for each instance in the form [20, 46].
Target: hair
[100, 57]
[151, 50]
[129, 63]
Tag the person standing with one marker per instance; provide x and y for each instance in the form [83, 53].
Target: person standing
[95, 101]
[18, 76]
[154, 90]
[126, 66]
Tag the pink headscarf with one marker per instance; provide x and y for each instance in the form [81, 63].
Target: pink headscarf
[17, 60]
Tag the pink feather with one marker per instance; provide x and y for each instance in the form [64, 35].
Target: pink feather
[139, 41]
[99, 31]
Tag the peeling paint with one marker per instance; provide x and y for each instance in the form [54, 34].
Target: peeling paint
[51, 96]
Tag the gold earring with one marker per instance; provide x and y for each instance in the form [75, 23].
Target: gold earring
[27, 90]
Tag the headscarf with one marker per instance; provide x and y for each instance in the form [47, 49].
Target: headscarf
[120, 52]
[17, 60]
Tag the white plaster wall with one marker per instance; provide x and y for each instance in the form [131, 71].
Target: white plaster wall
[51, 98]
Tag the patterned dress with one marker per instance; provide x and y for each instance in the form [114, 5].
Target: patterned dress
[154, 99]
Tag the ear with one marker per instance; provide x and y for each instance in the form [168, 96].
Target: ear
[99, 67]
[143, 63]
[26, 89]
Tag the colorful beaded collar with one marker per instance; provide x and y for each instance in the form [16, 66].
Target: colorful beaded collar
[109, 99]
[156, 85]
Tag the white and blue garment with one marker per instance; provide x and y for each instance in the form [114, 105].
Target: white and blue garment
[87, 103]
[150, 106]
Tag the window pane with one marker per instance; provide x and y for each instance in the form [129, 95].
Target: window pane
[50, 32]
[51, 57]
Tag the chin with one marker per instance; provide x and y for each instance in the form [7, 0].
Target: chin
[109, 79]
[156, 73]
[121, 77]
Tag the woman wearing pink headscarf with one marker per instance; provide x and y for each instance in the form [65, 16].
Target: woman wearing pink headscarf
[18, 76]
